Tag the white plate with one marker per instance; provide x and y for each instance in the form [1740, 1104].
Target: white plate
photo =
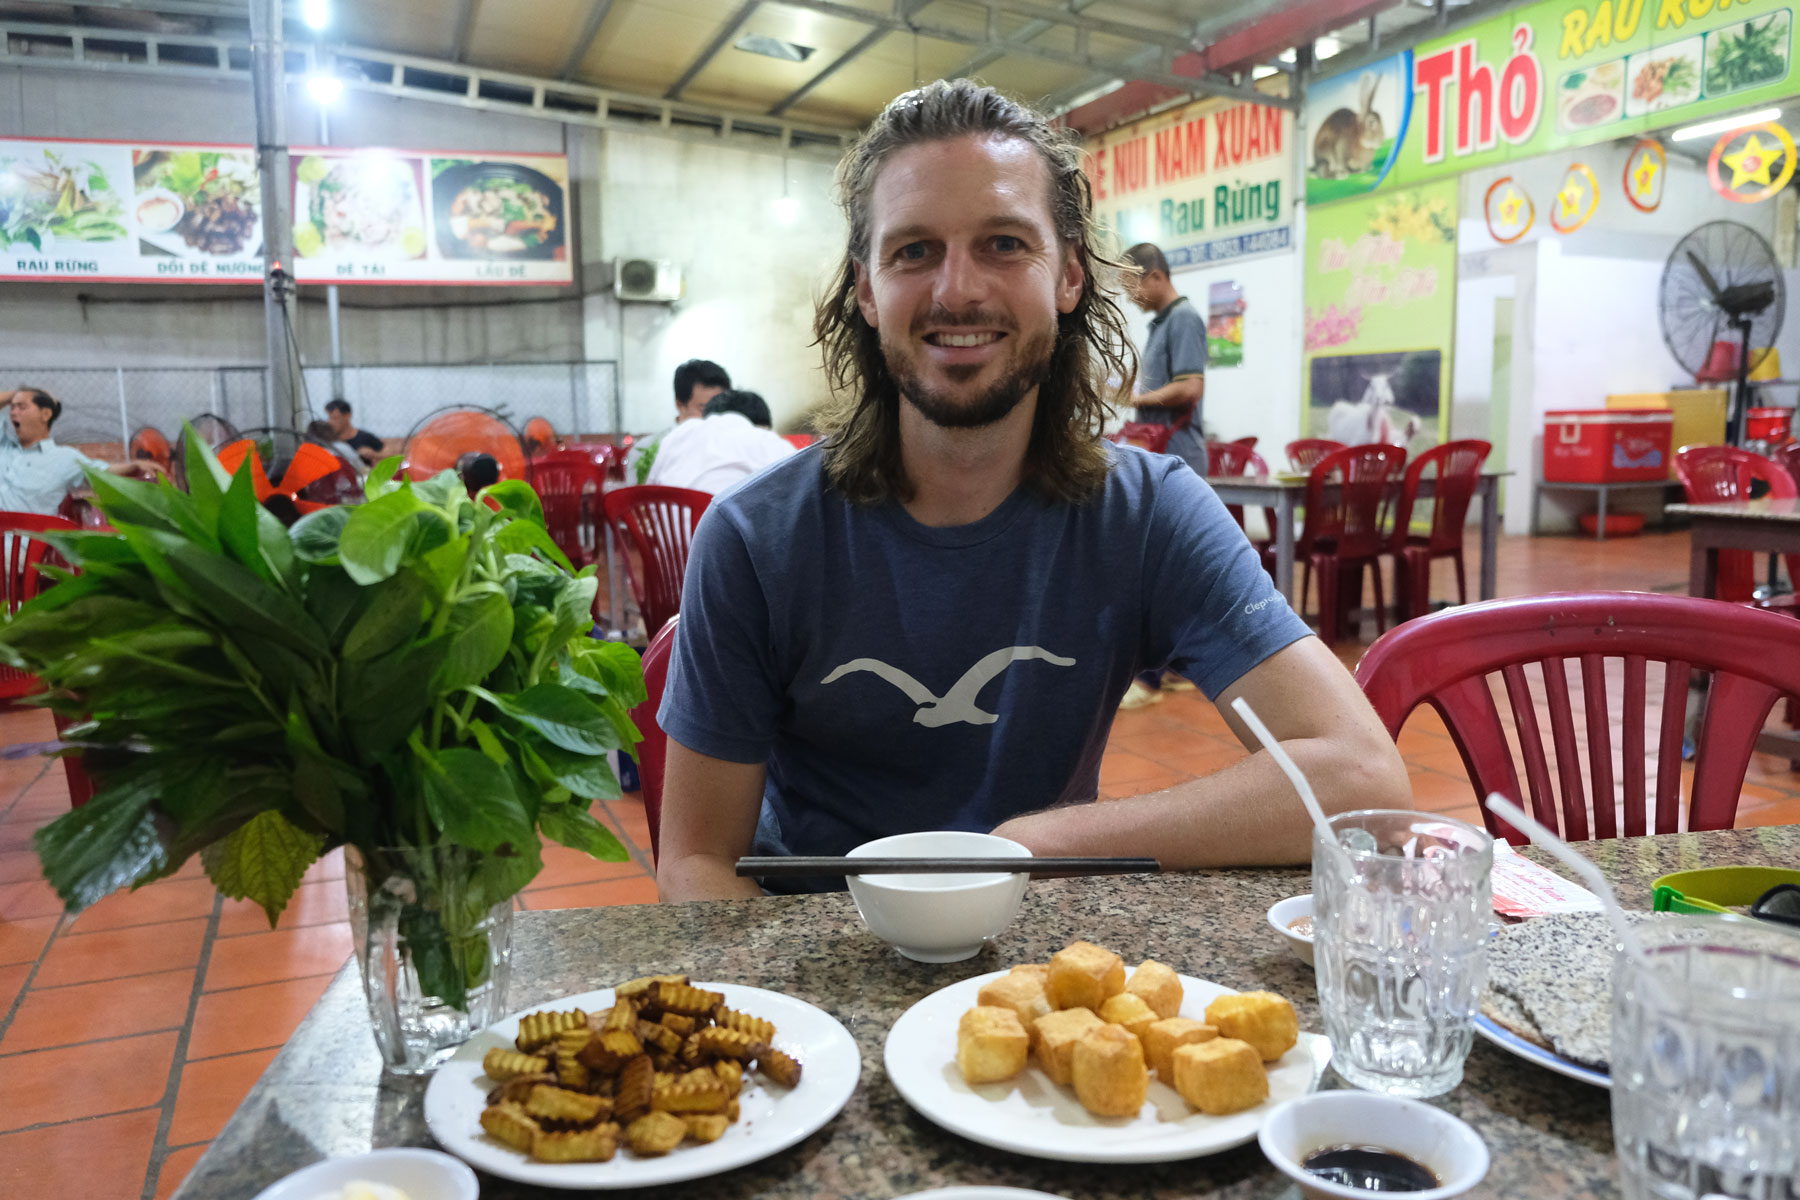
[979, 1192]
[772, 1119]
[1512, 1043]
[1030, 1114]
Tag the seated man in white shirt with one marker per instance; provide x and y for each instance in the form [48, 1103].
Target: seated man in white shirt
[733, 442]
[36, 474]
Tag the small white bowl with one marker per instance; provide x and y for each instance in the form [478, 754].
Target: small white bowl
[938, 918]
[1429, 1136]
[421, 1174]
[1282, 913]
[158, 199]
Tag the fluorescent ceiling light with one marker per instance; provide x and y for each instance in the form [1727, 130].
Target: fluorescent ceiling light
[324, 89]
[758, 43]
[316, 13]
[1326, 46]
[1724, 124]
[1263, 72]
[1287, 56]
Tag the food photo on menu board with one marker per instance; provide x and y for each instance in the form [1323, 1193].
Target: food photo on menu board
[364, 207]
[497, 209]
[57, 197]
[192, 203]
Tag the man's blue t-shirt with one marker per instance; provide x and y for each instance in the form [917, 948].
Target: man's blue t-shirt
[897, 677]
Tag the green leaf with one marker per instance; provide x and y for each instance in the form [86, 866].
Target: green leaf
[472, 800]
[480, 630]
[92, 851]
[516, 499]
[443, 565]
[395, 617]
[262, 860]
[577, 829]
[615, 666]
[444, 490]
[534, 581]
[335, 600]
[379, 480]
[589, 776]
[563, 715]
[133, 501]
[574, 610]
[315, 784]
[376, 535]
[315, 536]
[382, 700]
[523, 536]
[239, 600]
[237, 523]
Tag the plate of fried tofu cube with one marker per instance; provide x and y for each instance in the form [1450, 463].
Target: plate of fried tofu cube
[656, 1081]
[1084, 1059]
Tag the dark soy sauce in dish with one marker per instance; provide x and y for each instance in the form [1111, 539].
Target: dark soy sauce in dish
[1370, 1169]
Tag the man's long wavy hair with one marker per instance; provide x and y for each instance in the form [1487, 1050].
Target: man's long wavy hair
[1065, 459]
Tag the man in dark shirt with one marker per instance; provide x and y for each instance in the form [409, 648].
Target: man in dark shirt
[366, 444]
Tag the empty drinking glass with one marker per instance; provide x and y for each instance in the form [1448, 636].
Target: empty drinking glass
[1706, 1061]
[1402, 904]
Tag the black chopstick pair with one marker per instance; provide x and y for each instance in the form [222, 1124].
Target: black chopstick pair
[795, 866]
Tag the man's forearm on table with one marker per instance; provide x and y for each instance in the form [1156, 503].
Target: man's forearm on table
[1244, 815]
[702, 877]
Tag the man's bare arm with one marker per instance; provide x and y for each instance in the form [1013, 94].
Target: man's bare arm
[1177, 393]
[709, 816]
[1248, 814]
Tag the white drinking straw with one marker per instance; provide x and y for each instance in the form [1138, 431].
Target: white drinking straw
[1243, 709]
[1558, 849]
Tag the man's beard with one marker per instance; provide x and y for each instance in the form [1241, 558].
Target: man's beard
[1030, 367]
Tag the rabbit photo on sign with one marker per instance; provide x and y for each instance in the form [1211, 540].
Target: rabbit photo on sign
[1347, 142]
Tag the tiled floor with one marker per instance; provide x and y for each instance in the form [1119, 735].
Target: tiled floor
[130, 1033]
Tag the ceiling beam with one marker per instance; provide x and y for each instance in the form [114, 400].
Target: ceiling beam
[726, 32]
[584, 40]
[1026, 33]
[465, 21]
[1189, 84]
[800, 93]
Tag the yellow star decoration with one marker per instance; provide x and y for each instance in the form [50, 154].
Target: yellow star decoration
[1570, 199]
[1752, 163]
[1645, 175]
[1509, 207]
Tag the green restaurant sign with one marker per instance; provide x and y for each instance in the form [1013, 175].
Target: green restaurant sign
[1541, 78]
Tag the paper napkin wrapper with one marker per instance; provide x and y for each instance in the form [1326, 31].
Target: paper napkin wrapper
[1524, 889]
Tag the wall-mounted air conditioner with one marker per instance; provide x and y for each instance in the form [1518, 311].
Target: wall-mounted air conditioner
[648, 279]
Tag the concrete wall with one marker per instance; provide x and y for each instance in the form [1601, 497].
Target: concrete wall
[750, 279]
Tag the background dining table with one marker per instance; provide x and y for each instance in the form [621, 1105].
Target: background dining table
[1550, 1137]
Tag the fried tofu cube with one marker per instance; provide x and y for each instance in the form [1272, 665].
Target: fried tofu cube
[706, 1127]
[1130, 1010]
[1023, 993]
[508, 1123]
[1160, 987]
[1056, 1035]
[1163, 1038]
[1220, 1076]
[991, 1044]
[1083, 975]
[655, 1133]
[1041, 970]
[1265, 1020]
[580, 1145]
[1107, 1068]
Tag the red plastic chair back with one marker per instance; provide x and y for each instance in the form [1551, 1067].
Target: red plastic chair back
[799, 441]
[21, 557]
[658, 524]
[1789, 457]
[1248, 443]
[653, 752]
[1453, 661]
[1304, 454]
[1346, 494]
[1714, 474]
[569, 487]
[1227, 458]
[1457, 466]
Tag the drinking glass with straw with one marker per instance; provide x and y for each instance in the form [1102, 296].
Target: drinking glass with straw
[1402, 903]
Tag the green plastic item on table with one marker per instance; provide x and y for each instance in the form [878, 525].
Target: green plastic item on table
[1714, 890]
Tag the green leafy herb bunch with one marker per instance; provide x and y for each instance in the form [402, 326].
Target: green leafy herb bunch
[412, 673]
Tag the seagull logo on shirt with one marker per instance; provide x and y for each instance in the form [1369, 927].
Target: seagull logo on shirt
[958, 704]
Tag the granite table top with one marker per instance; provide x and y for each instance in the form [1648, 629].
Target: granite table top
[1786, 509]
[1550, 1137]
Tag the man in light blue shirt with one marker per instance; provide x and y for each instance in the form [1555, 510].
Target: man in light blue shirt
[36, 473]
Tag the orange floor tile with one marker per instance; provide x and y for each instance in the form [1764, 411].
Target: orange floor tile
[140, 1025]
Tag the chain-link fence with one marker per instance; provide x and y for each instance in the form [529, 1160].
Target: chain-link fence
[104, 406]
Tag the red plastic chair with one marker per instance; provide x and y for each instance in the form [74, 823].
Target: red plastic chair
[1304, 454]
[1448, 659]
[1346, 496]
[1225, 459]
[1457, 470]
[799, 441]
[1789, 457]
[653, 752]
[657, 523]
[569, 485]
[1712, 474]
[21, 578]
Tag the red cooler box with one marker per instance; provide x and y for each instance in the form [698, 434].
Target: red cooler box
[1607, 445]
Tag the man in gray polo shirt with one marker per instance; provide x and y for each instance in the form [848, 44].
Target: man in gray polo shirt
[1171, 376]
[35, 472]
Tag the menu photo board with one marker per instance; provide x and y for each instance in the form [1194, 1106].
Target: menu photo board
[177, 212]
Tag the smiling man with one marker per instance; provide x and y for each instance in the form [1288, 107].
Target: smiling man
[36, 473]
[928, 624]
